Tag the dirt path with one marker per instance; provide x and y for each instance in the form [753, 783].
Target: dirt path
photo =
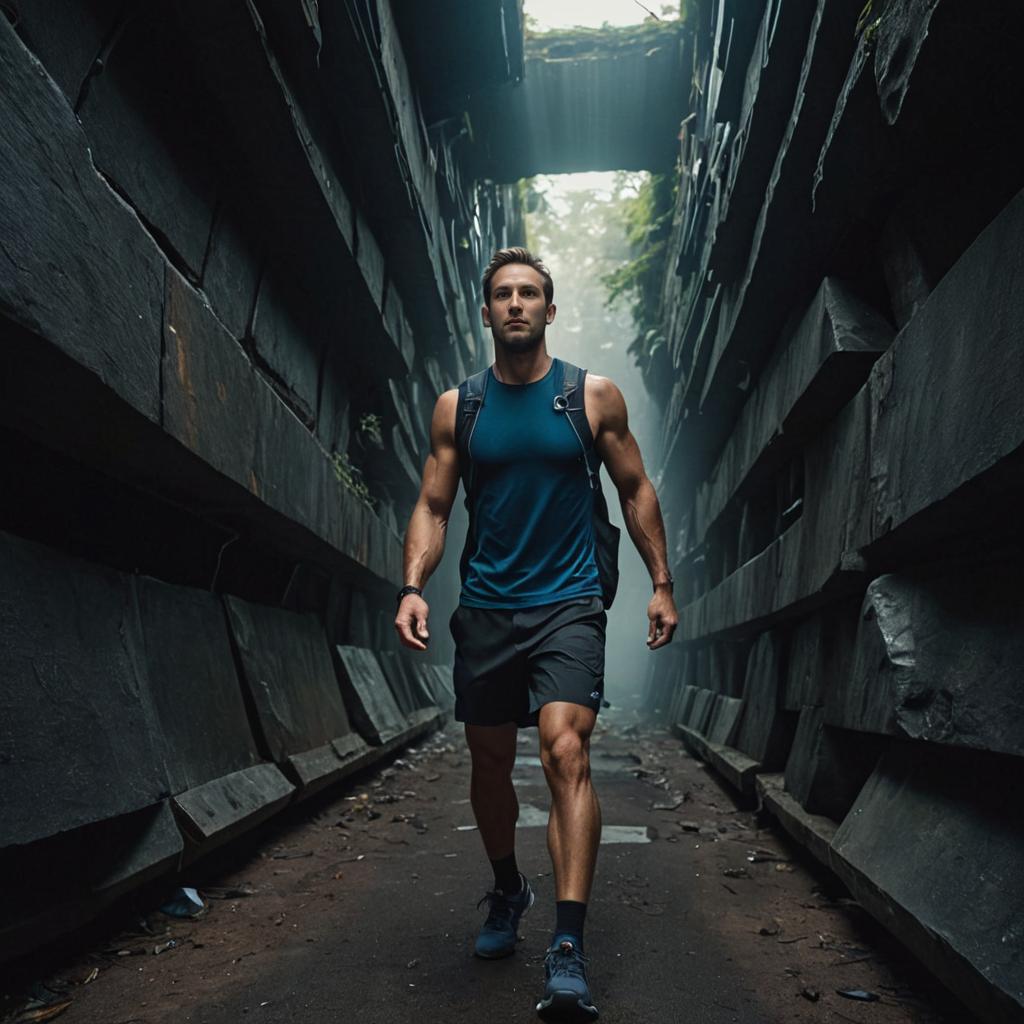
[363, 908]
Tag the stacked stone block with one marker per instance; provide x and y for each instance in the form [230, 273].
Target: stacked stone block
[238, 267]
[846, 451]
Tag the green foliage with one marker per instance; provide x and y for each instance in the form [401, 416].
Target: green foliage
[646, 220]
[351, 478]
[370, 427]
[601, 43]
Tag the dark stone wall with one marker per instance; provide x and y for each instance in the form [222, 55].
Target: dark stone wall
[237, 267]
[845, 449]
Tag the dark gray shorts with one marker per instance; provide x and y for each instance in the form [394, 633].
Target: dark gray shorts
[509, 663]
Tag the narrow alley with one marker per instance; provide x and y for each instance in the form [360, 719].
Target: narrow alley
[746, 278]
[363, 907]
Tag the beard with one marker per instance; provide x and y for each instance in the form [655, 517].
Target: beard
[519, 344]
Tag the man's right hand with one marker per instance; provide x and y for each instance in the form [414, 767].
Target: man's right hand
[411, 622]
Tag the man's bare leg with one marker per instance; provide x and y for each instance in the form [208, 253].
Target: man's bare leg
[574, 827]
[493, 750]
[491, 793]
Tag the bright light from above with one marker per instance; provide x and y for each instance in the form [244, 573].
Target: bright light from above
[557, 186]
[545, 15]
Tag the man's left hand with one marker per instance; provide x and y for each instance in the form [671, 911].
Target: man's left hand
[664, 618]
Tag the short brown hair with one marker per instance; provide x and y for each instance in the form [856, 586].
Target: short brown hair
[517, 254]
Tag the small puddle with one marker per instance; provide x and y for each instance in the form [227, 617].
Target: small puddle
[537, 817]
[612, 834]
[532, 817]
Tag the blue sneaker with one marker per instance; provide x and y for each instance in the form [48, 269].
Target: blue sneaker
[566, 992]
[499, 934]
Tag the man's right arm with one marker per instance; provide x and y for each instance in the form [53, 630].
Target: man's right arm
[428, 524]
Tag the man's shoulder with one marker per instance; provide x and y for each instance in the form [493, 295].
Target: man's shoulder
[443, 423]
[606, 408]
[602, 389]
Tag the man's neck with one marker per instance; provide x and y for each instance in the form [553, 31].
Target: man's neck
[521, 367]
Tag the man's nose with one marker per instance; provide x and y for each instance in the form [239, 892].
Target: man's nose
[515, 302]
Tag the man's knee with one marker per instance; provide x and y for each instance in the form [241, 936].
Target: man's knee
[492, 752]
[565, 756]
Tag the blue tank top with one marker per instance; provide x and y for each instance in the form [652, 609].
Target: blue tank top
[532, 539]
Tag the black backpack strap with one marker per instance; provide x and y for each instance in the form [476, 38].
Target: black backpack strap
[472, 392]
[574, 381]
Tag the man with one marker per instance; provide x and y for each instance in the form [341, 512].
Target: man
[530, 627]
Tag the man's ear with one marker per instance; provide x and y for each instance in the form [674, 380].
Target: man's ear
[486, 313]
[550, 315]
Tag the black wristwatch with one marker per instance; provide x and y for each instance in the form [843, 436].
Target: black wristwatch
[670, 582]
[405, 591]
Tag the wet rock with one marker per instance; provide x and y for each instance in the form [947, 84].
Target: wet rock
[947, 409]
[728, 666]
[939, 658]
[758, 303]
[232, 270]
[73, 54]
[700, 710]
[66, 879]
[765, 729]
[201, 726]
[290, 678]
[811, 376]
[149, 132]
[407, 680]
[827, 767]
[76, 737]
[932, 847]
[821, 654]
[221, 409]
[724, 719]
[686, 703]
[193, 685]
[768, 88]
[836, 517]
[367, 695]
[285, 339]
[56, 212]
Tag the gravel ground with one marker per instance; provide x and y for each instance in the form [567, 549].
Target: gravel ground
[361, 906]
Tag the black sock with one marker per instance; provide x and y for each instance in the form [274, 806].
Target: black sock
[506, 875]
[569, 918]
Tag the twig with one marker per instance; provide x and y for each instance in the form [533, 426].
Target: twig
[649, 11]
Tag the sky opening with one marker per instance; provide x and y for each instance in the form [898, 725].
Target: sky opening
[545, 15]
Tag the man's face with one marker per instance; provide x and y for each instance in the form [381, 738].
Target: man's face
[518, 313]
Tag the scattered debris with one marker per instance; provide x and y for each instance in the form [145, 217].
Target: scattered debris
[760, 856]
[185, 902]
[736, 873]
[858, 994]
[672, 805]
[43, 1012]
[810, 994]
[164, 946]
[228, 892]
[293, 854]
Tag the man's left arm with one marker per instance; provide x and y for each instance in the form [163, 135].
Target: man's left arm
[640, 508]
